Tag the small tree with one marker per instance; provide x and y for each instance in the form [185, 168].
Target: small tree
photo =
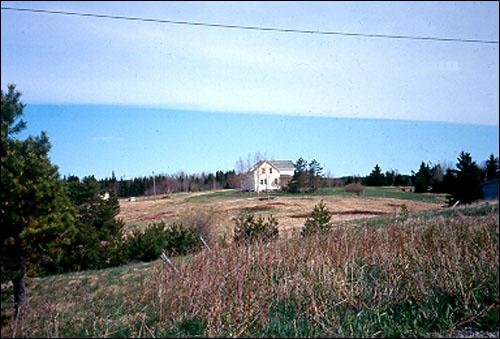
[35, 211]
[318, 221]
[148, 244]
[249, 229]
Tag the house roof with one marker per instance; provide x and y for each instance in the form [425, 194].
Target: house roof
[280, 165]
[258, 163]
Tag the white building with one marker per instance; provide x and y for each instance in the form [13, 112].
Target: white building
[268, 175]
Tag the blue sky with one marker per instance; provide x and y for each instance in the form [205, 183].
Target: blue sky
[133, 141]
[164, 72]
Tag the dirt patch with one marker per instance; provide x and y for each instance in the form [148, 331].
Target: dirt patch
[277, 204]
[360, 212]
[300, 215]
[353, 212]
[395, 205]
[250, 208]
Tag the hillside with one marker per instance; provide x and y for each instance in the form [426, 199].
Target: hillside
[428, 273]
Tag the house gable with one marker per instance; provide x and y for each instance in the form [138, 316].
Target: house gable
[260, 163]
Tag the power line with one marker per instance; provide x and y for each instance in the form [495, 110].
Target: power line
[255, 28]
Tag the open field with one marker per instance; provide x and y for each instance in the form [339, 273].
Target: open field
[429, 273]
[290, 210]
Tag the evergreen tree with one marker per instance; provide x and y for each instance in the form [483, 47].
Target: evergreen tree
[299, 179]
[306, 177]
[318, 221]
[314, 172]
[467, 186]
[376, 177]
[390, 178]
[99, 233]
[300, 165]
[492, 168]
[35, 212]
[423, 178]
[449, 182]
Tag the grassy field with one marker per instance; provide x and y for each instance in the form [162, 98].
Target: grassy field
[421, 274]
[291, 210]
[373, 192]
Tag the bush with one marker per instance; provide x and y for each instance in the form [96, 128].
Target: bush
[318, 221]
[354, 188]
[203, 221]
[181, 240]
[176, 239]
[248, 229]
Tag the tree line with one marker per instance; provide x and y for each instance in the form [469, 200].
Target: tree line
[166, 184]
[461, 182]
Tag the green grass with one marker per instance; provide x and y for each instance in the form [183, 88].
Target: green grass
[386, 192]
[474, 210]
[370, 192]
[220, 195]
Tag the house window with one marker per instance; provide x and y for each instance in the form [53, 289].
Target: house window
[263, 171]
[261, 182]
[265, 181]
[270, 170]
[276, 181]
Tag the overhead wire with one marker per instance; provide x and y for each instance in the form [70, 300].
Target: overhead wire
[255, 28]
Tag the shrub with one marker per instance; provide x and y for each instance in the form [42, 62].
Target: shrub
[404, 210]
[318, 221]
[181, 240]
[203, 221]
[354, 188]
[147, 245]
[250, 229]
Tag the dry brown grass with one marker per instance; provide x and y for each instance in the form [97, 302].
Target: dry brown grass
[353, 281]
[290, 212]
[234, 288]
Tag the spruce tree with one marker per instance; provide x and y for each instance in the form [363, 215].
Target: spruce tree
[467, 185]
[376, 177]
[319, 220]
[492, 168]
[423, 178]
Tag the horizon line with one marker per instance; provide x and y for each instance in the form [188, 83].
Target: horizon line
[267, 113]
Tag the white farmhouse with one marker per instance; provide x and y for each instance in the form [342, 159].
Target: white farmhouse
[268, 175]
